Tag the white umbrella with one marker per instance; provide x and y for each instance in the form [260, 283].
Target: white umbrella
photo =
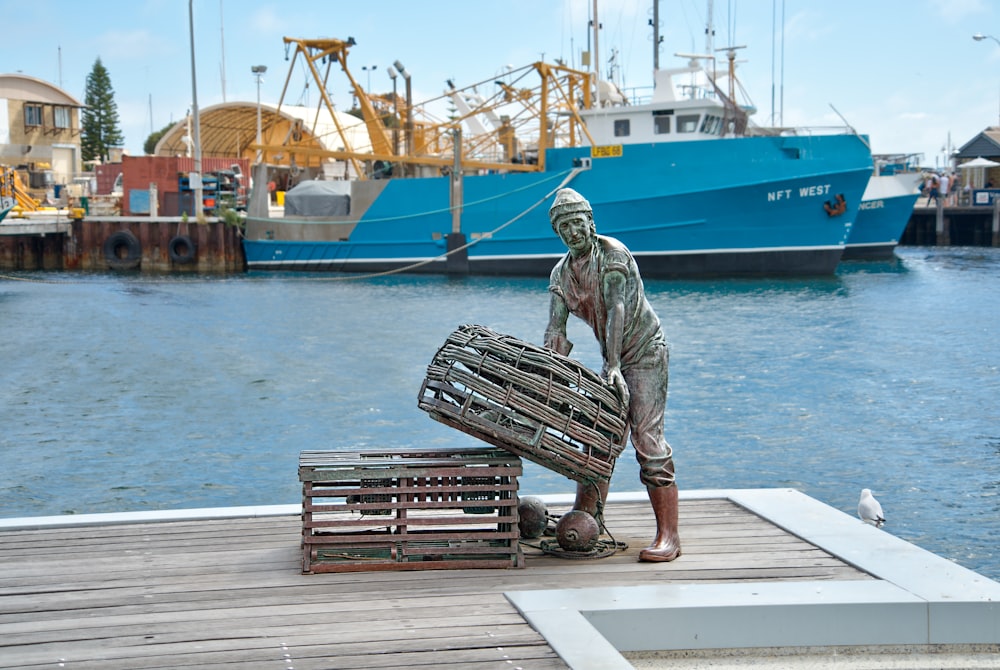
[979, 165]
[978, 162]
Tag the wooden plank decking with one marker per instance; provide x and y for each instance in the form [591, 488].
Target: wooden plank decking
[231, 594]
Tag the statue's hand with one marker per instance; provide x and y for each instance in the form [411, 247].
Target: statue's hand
[616, 379]
[558, 343]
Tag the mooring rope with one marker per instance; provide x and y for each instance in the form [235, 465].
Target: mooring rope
[570, 175]
[407, 268]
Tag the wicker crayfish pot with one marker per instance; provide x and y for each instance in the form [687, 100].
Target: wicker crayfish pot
[529, 400]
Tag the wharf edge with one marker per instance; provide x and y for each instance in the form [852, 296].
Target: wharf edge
[60, 243]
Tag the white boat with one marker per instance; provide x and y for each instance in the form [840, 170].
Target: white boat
[885, 208]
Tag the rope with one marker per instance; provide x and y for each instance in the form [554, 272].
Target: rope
[33, 281]
[601, 548]
[569, 177]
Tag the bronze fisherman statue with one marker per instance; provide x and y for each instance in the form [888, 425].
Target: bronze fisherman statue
[598, 281]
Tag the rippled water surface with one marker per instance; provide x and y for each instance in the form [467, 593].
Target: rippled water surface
[122, 393]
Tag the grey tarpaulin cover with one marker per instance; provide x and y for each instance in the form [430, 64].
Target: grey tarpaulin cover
[318, 198]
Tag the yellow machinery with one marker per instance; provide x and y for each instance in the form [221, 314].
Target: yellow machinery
[13, 192]
[529, 110]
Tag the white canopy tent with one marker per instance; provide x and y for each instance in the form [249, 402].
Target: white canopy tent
[978, 166]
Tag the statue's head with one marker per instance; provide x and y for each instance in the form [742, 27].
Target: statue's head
[567, 202]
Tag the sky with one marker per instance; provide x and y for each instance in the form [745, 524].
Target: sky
[906, 73]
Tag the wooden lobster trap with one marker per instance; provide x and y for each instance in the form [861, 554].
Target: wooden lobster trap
[528, 400]
[408, 509]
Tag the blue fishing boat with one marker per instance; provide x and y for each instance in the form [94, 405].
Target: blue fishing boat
[885, 209]
[675, 177]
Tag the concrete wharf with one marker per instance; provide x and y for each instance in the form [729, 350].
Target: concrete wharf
[766, 576]
[53, 241]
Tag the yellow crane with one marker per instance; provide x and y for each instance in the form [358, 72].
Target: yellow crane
[531, 109]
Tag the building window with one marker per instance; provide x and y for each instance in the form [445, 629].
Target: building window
[62, 117]
[622, 128]
[32, 115]
[687, 123]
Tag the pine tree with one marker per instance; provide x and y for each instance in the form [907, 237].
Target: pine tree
[99, 127]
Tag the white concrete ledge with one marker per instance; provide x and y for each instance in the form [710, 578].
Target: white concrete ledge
[151, 516]
[918, 599]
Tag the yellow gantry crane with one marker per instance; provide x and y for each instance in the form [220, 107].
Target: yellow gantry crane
[527, 111]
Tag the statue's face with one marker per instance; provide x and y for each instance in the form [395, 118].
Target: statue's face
[575, 231]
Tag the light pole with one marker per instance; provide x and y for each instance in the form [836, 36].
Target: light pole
[199, 191]
[369, 69]
[979, 37]
[409, 110]
[258, 73]
[395, 111]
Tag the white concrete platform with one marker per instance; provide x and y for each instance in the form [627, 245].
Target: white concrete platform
[918, 600]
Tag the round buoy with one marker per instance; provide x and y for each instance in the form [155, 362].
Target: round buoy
[577, 531]
[532, 517]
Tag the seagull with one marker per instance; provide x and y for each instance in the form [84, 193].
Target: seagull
[870, 510]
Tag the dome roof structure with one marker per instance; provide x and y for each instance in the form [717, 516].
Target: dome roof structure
[230, 130]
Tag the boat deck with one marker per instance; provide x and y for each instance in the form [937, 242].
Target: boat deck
[224, 588]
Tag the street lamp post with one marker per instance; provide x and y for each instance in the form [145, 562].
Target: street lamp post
[409, 111]
[369, 69]
[395, 111]
[199, 209]
[979, 37]
[258, 73]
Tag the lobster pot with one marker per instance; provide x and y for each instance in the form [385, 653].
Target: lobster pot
[529, 400]
[409, 509]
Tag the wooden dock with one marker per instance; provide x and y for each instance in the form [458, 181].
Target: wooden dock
[953, 225]
[230, 592]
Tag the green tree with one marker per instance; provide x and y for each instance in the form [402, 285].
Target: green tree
[150, 146]
[99, 127]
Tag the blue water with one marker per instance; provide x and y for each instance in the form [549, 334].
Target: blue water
[122, 393]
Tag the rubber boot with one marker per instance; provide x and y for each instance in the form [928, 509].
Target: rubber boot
[667, 545]
[590, 498]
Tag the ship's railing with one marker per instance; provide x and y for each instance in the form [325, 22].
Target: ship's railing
[795, 131]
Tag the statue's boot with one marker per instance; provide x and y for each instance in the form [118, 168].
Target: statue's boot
[590, 498]
[667, 544]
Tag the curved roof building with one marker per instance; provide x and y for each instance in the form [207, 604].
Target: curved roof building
[230, 130]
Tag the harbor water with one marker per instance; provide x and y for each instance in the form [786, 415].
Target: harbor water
[128, 392]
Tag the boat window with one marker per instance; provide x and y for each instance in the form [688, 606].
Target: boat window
[622, 128]
[661, 125]
[687, 123]
[711, 124]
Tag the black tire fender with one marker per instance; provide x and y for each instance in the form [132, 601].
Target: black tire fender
[122, 250]
[181, 249]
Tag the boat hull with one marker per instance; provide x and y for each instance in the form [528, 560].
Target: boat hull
[728, 207]
[883, 215]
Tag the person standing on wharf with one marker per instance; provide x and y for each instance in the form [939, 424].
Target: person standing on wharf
[598, 281]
